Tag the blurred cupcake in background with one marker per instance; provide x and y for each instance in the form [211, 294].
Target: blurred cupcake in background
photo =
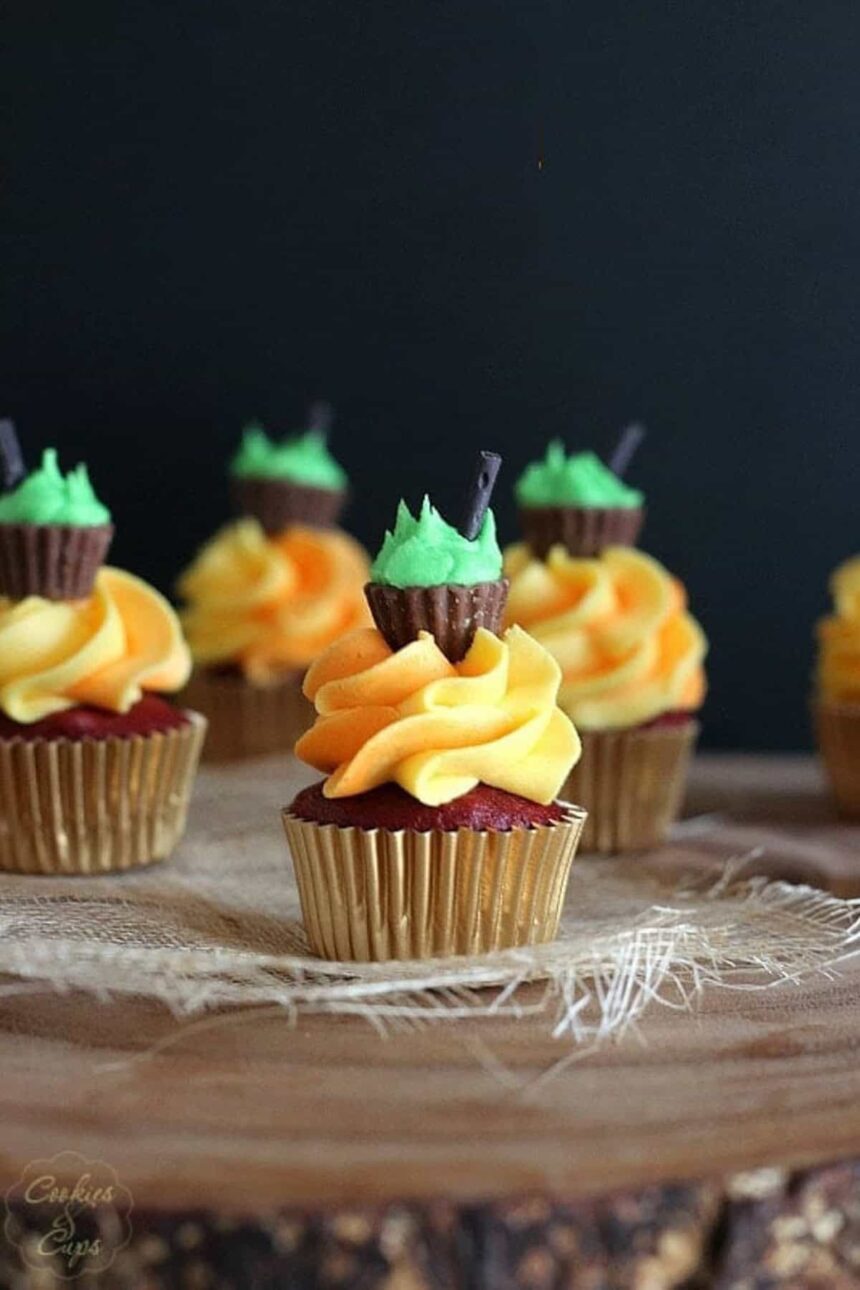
[836, 701]
[630, 654]
[269, 592]
[437, 829]
[96, 768]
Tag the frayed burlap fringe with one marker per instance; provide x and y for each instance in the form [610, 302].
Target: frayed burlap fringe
[218, 927]
[224, 933]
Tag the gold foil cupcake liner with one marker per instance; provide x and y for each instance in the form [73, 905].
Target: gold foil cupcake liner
[451, 612]
[369, 895]
[247, 720]
[57, 561]
[631, 783]
[837, 727]
[582, 530]
[277, 503]
[94, 806]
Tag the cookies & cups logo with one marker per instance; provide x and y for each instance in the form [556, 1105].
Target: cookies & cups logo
[68, 1215]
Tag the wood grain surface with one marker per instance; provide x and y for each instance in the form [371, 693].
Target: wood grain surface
[241, 1112]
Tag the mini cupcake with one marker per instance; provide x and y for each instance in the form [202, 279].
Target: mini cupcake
[836, 703]
[267, 594]
[96, 768]
[437, 830]
[578, 502]
[631, 663]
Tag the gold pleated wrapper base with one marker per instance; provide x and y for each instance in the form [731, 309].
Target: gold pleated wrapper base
[93, 806]
[369, 895]
[631, 783]
[248, 720]
[837, 726]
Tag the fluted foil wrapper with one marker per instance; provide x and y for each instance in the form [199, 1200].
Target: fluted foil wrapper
[248, 720]
[369, 895]
[837, 727]
[94, 806]
[451, 612]
[278, 502]
[56, 561]
[582, 530]
[631, 783]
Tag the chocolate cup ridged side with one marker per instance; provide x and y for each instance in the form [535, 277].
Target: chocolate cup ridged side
[582, 530]
[452, 613]
[277, 503]
[57, 561]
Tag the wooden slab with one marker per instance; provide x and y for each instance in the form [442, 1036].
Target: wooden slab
[243, 1113]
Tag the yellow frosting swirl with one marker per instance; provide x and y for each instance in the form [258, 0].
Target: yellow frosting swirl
[437, 728]
[105, 650]
[618, 627]
[838, 670]
[271, 604]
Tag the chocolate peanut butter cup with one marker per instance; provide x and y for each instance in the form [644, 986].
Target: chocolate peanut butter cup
[54, 532]
[56, 561]
[277, 503]
[581, 530]
[451, 613]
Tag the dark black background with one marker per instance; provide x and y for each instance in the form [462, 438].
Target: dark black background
[214, 209]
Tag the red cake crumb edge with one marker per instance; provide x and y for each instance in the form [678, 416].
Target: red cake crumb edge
[483, 809]
[150, 716]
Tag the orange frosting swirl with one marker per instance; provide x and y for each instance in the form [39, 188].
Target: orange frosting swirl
[436, 728]
[619, 629]
[106, 650]
[838, 669]
[271, 604]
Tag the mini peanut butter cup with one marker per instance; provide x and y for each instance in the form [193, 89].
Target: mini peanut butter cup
[56, 561]
[277, 503]
[581, 530]
[451, 613]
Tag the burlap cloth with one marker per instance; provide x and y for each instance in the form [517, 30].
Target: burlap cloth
[218, 926]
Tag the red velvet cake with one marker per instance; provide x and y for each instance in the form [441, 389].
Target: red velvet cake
[389, 807]
[151, 716]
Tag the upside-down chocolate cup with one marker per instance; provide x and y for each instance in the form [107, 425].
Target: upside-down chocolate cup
[93, 806]
[452, 613]
[56, 561]
[370, 895]
[582, 530]
[247, 720]
[631, 783]
[837, 727]
[276, 503]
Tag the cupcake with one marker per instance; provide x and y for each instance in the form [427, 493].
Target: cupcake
[631, 661]
[267, 594]
[96, 768]
[836, 702]
[578, 502]
[437, 830]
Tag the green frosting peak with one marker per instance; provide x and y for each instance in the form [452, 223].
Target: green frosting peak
[301, 459]
[426, 551]
[47, 496]
[580, 479]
